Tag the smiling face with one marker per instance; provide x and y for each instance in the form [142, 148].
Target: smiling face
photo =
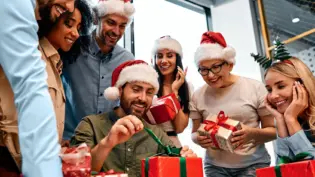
[66, 31]
[220, 75]
[165, 61]
[58, 7]
[136, 98]
[280, 90]
[111, 28]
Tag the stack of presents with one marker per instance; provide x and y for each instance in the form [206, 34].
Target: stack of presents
[77, 160]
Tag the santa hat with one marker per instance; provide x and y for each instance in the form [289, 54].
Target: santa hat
[167, 42]
[120, 7]
[213, 46]
[130, 71]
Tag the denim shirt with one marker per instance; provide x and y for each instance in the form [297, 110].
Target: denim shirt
[301, 141]
[85, 81]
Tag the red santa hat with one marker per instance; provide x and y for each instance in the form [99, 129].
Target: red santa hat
[120, 7]
[213, 46]
[130, 71]
[167, 42]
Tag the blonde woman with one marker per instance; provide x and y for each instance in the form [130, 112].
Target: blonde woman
[291, 100]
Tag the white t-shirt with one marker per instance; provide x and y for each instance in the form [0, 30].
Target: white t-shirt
[242, 101]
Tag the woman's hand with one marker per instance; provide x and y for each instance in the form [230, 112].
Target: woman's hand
[299, 102]
[243, 136]
[179, 80]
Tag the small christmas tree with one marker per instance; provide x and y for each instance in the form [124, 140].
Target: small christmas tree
[262, 60]
[280, 54]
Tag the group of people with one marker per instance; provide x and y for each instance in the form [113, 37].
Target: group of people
[76, 85]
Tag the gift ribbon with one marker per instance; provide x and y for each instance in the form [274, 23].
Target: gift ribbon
[220, 122]
[170, 151]
[285, 160]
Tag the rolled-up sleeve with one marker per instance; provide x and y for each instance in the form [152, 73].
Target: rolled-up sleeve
[299, 143]
[25, 70]
[194, 113]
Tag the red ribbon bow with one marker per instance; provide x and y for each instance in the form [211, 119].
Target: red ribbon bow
[220, 122]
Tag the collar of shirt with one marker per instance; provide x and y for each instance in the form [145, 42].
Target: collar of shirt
[51, 53]
[96, 51]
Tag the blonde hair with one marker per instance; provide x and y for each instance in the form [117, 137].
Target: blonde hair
[299, 71]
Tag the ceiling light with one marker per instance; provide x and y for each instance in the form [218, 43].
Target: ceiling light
[295, 20]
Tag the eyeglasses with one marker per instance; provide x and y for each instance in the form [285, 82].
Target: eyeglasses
[214, 69]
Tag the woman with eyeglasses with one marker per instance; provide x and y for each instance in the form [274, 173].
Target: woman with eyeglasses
[167, 60]
[242, 99]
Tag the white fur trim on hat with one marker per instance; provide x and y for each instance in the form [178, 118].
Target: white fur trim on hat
[167, 43]
[137, 72]
[210, 51]
[119, 7]
[111, 93]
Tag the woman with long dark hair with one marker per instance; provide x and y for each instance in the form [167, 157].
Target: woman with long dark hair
[167, 59]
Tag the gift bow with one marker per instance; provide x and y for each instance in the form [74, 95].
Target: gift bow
[220, 122]
[170, 151]
[285, 160]
[76, 155]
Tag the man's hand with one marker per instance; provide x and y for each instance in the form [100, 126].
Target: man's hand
[122, 130]
[186, 152]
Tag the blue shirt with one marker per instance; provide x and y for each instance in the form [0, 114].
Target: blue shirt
[25, 70]
[301, 141]
[87, 78]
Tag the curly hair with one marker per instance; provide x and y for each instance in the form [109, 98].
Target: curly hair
[300, 72]
[183, 91]
[83, 42]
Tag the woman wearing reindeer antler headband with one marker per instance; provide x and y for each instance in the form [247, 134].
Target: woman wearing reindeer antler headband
[242, 99]
[291, 100]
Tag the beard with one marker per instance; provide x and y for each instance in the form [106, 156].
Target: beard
[130, 111]
[44, 7]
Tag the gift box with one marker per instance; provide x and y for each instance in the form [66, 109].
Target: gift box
[161, 166]
[76, 161]
[297, 169]
[110, 173]
[163, 109]
[220, 128]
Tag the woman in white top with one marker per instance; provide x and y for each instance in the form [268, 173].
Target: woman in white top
[167, 60]
[241, 99]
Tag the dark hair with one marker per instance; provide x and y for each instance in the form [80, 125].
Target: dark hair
[183, 91]
[83, 42]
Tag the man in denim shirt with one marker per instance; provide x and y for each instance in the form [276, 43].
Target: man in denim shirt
[89, 75]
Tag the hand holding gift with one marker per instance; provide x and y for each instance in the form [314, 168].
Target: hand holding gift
[219, 129]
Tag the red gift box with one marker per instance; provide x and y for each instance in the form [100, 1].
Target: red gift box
[161, 166]
[76, 161]
[163, 109]
[297, 169]
[110, 173]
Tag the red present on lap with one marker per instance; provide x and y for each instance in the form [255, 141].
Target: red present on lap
[290, 168]
[76, 161]
[162, 166]
[163, 109]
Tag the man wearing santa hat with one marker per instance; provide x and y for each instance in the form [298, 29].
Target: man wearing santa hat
[116, 137]
[242, 99]
[90, 73]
